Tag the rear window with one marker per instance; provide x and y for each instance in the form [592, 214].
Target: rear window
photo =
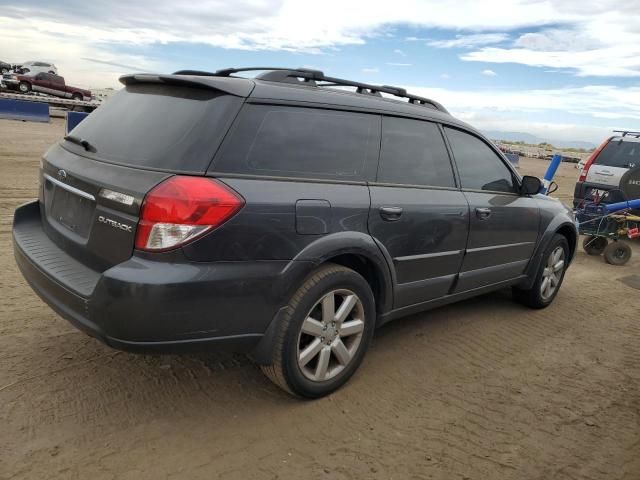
[619, 154]
[163, 127]
[301, 142]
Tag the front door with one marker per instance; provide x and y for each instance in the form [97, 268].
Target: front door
[504, 225]
[418, 216]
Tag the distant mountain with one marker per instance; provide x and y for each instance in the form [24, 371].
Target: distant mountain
[529, 138]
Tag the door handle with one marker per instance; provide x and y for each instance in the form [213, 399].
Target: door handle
[483, 213]
[390, 214]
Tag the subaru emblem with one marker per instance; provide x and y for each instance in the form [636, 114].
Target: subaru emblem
[62, 175]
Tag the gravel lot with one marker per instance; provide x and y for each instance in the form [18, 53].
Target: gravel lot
[484, 389]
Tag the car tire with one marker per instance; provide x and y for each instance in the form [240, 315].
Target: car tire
[76, 96]
[312, 355]
[4, 71]
[24, 87]
[549, 276]
[594, 245]
[617, 253]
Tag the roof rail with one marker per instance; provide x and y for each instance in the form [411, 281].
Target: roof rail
[628, 132]
[313, 77]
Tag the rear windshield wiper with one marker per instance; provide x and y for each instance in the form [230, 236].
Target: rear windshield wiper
[79, 141]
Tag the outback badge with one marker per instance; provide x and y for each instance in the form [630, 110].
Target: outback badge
[112, 223]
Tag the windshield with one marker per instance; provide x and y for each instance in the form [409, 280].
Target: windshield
[162, 127]
[620, 154]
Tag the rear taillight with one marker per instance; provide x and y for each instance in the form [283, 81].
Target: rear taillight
[591, 159]
[181, 209]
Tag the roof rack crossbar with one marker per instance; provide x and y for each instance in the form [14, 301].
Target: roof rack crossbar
[311, 77]
[396, 91]
[628, 132]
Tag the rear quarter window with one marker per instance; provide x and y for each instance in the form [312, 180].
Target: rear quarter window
[301, 142]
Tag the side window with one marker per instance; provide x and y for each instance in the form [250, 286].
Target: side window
[413, 152]
[479, 166]
[301, 142]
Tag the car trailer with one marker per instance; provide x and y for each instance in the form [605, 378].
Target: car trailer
[78, 105]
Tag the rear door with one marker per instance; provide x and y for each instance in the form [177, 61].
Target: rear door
[418, 215]
[503, 224]
[615, 159]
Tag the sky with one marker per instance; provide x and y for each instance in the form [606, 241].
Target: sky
[557, 69]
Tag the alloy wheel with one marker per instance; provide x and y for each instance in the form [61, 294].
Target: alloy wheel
[330, 335]
[552, 273]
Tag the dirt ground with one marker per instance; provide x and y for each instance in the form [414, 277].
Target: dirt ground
[484, 389]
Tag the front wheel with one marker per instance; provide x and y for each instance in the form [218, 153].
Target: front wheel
[77, 96]
[549, 276]
[24, 87]
[325, 333]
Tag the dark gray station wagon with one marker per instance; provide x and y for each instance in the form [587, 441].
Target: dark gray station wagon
[279, 216]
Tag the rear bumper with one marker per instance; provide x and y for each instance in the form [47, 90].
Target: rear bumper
[582, 192]
[149, 303]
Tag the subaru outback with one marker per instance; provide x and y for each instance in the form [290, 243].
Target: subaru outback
[281, 217]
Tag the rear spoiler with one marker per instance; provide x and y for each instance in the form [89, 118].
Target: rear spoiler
[240, 87]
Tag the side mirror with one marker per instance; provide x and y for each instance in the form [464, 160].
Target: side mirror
[530, 185]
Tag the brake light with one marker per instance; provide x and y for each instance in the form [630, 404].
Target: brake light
[591, 159]
[181, 209]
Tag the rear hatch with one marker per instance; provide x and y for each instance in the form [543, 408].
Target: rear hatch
[93, 184]
[615, 159]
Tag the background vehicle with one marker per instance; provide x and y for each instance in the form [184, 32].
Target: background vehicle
[46, 83]
[33, 68]
[4, 68]
[279, 217]
[609, 174]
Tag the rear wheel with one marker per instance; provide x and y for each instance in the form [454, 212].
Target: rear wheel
[324, 334]
[4, 70]
[617, 253]
[76, 96]
[594, 245]
[24, 87]
[549, 276]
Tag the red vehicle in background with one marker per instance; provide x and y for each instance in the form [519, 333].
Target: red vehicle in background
[45, 83]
